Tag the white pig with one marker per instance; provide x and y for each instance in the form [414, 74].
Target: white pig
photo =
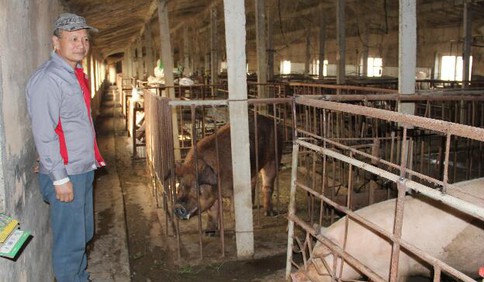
[439, 230]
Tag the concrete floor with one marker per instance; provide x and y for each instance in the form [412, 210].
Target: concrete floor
[126, 221]
[108, 252]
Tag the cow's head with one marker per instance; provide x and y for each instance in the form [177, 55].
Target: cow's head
[191, 188]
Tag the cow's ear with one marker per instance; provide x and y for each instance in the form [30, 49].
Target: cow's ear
[178, 169]
[167, 175]
[207, 176]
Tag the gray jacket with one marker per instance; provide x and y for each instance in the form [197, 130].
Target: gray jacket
[53, 93]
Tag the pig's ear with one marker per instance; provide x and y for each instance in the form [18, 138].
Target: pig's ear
[207, 176]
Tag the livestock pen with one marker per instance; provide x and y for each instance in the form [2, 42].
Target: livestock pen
[176, 125]
[173, 126]
[403, 153]
[195, 120]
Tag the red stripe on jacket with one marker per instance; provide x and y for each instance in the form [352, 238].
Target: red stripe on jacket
[83, 82]
[62, 142]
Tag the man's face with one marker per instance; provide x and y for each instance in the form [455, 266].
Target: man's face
[72, 46]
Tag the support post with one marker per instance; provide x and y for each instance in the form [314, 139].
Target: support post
[322, 40]
[260, 24]
[129, 62]
[133, 60]
[308, 51]
[407, 54]
[149, 61]
[364, 54]
[214, 66]
[187, 68]
[340, 42]
[166, 54]
[237, 84]
[270, 45]
[167, 59]
[466, 52]
[139, 59]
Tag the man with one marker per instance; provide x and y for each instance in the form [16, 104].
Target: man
[58, 100]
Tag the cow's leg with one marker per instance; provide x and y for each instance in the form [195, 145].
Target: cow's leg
[269, 173]
[213, 217]
[255, 197]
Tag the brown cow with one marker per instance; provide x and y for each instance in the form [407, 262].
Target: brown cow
[209, 167]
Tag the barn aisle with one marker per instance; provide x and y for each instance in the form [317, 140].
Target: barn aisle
[126, 223]
[108, 251]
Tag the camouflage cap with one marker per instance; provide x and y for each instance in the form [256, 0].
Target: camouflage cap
[71, 22]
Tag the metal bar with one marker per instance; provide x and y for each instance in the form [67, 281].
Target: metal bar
[219, 188]
[397, 97]
[376, 229]
[431, 124]
[446, 163]
[388, 163]
[397, 231]
[447, 199]
[342, 87]
[292, 208]
[133, 129]
[277, 157]
[195, 156]
[226, 102]
[336, 249]
[198, 103]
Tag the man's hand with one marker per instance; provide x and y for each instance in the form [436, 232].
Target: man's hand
[64, 192]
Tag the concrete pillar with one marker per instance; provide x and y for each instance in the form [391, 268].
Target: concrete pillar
[340, 42]
[466, 56]
[207, 55]
[149, 59]
[364, 53]
[139, 60]
[270, 45]
[124, 63]
[166, 53]
[187, 68]
[237, 79]
[308, 51]
[260, 24]
[466, 47]
[322, 40]
[127, 61]
[197, 53]
[407, 54]
[132, 61]
[167, 59]
[214, 66]
[133, 64]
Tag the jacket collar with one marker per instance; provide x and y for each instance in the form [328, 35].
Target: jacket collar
[62, 63]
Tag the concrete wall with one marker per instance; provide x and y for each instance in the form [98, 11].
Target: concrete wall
[25, 42]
